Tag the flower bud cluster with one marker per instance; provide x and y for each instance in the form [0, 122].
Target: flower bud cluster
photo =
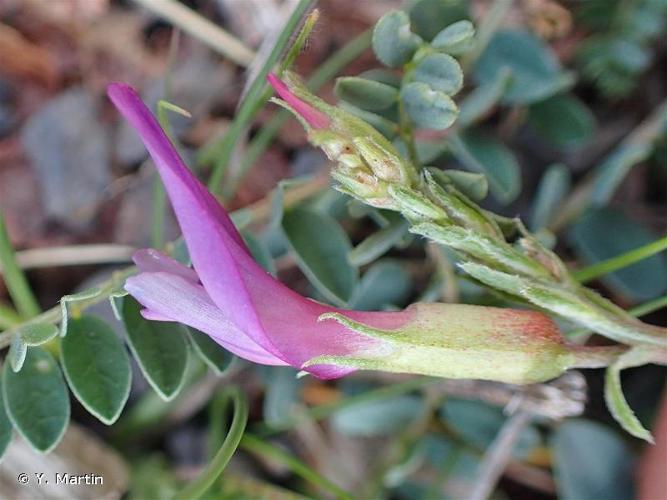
[369, 168]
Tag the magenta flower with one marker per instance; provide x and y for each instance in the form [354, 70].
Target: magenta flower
[230, 297]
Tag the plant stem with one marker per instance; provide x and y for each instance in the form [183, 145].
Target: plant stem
[204, 481]
[159, 194]
[237, 170]
[620, 261]
[264, 449]
[649, 307]
[300, 41]
[257, 95]
[54, 315]
[8, 316]
[596, 357]
[74, 255]
[16, 282]
[637, 311]
[405, 130]
[202, 29]
[498, 455]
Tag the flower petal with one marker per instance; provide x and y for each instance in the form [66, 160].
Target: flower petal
[210, 235]
[274, 317]
[151, 260]
[171, 297]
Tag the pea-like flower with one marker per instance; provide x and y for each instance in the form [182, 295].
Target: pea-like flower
[231, 298]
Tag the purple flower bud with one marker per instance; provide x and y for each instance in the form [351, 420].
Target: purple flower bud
[313, 117]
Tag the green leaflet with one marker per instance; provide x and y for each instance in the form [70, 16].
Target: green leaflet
[613, 392]
[36, 400]
[393, 42]
[483, 153]
[97, 367]
[366, 94]
[160, 347]
[427, 107]
[321, 247]
[440, 72]
[591, 461]
[216, 357]
[536, 72]
[35, 334]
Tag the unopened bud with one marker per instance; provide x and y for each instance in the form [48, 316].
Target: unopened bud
[351, 161]
[415, 205]
[363, 186]
[332, 143]
[384, 164]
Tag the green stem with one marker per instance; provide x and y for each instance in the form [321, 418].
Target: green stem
[16, 282]
[264, 449]
[257, 95]
[407, 134]
[199, 486]
[637, 311]
[54, 315]
[8, 316]
[620, 261]
[218, 412]
[649, 307]
[300, 41]
[159, 195]
[159, 207]
[596, 356]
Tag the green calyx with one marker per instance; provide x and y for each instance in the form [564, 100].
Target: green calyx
[463, 341]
